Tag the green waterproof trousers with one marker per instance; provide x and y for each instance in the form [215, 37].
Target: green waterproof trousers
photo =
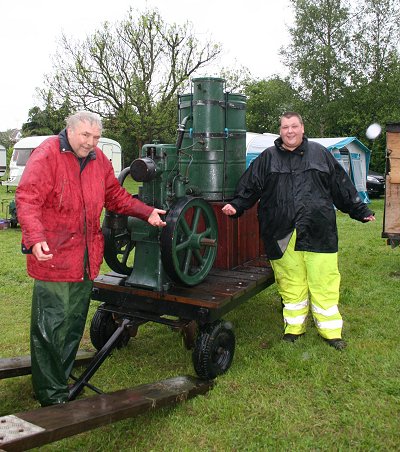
[301, 275]
[58, 317]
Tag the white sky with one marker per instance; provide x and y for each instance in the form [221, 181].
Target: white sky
[251, 33]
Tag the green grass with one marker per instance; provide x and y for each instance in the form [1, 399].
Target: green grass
[276, 396]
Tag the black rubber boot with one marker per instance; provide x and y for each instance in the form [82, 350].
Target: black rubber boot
[288, 337]
[338, 344]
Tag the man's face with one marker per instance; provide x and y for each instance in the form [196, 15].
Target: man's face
[83, 138]
[291, 132]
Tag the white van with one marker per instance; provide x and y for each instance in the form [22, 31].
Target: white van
[24, 147]
[3, 160]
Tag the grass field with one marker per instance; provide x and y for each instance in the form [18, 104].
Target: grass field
[276, 396]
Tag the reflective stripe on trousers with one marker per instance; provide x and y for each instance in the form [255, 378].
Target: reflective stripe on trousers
[299, 274]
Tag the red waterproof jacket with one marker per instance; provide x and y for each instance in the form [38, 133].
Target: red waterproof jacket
[60, 199]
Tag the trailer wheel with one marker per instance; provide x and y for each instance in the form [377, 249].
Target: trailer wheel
[102, 328]
[214, 349]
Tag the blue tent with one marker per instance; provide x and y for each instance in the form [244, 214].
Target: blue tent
[353, 155]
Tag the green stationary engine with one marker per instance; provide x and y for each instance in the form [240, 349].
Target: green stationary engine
[185, 179]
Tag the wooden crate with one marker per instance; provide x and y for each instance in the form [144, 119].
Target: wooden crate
[238, 239]
[391, 220]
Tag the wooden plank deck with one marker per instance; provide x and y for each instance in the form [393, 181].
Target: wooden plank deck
[49, 424]
[219, 288]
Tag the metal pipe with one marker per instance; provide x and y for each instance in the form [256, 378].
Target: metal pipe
[181, 132]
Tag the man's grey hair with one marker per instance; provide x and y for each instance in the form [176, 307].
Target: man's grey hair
[84, 116]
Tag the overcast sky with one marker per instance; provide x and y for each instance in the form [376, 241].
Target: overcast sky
[251, 33]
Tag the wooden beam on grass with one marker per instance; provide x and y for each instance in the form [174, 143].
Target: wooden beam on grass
[21, 365]
[35, 428]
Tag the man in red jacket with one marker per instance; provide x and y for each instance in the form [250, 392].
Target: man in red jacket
[65, 186]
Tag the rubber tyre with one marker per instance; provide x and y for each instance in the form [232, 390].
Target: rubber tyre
[214, 350]
[102, 328]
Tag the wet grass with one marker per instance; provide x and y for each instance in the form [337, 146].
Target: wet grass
[276, 396]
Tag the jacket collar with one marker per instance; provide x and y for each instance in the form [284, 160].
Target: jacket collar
[299, 150]
[64, 143]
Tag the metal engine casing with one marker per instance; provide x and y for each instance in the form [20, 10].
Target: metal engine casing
[203, 166]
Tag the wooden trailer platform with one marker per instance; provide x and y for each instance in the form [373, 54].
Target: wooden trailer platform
[219, 293]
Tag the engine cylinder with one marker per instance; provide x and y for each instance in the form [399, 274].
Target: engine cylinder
[214, 143]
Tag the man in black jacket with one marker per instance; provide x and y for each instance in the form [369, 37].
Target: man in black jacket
[298, 183]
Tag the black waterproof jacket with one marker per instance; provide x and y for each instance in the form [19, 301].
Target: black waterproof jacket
[298, 190]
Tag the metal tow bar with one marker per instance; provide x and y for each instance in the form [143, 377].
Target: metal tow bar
[96, 362]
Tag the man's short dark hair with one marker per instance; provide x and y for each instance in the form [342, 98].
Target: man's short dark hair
[290, 114]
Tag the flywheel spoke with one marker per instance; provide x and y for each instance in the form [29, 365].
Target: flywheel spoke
[199, 257]
[196, 218]
[182, 246]
[185, 227]
[188, 258]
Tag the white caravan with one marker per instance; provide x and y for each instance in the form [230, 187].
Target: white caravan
[24, 147]
[3, 160]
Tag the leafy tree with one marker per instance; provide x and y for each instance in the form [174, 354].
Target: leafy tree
[236, 78]
[347, 63]
[48, 121]
[317, 53]
[5, 138]
[375, 41]
[267, 101]
[130, 73]
[374, 92]
[376, 101]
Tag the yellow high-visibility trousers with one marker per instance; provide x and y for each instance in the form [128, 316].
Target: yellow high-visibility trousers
[302, 276]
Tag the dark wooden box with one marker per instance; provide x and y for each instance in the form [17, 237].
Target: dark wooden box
[238, 239]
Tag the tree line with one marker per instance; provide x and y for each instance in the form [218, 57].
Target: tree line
[342, 60]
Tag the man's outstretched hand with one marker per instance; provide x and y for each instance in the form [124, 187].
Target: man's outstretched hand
[228, 210]
[155, 219]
